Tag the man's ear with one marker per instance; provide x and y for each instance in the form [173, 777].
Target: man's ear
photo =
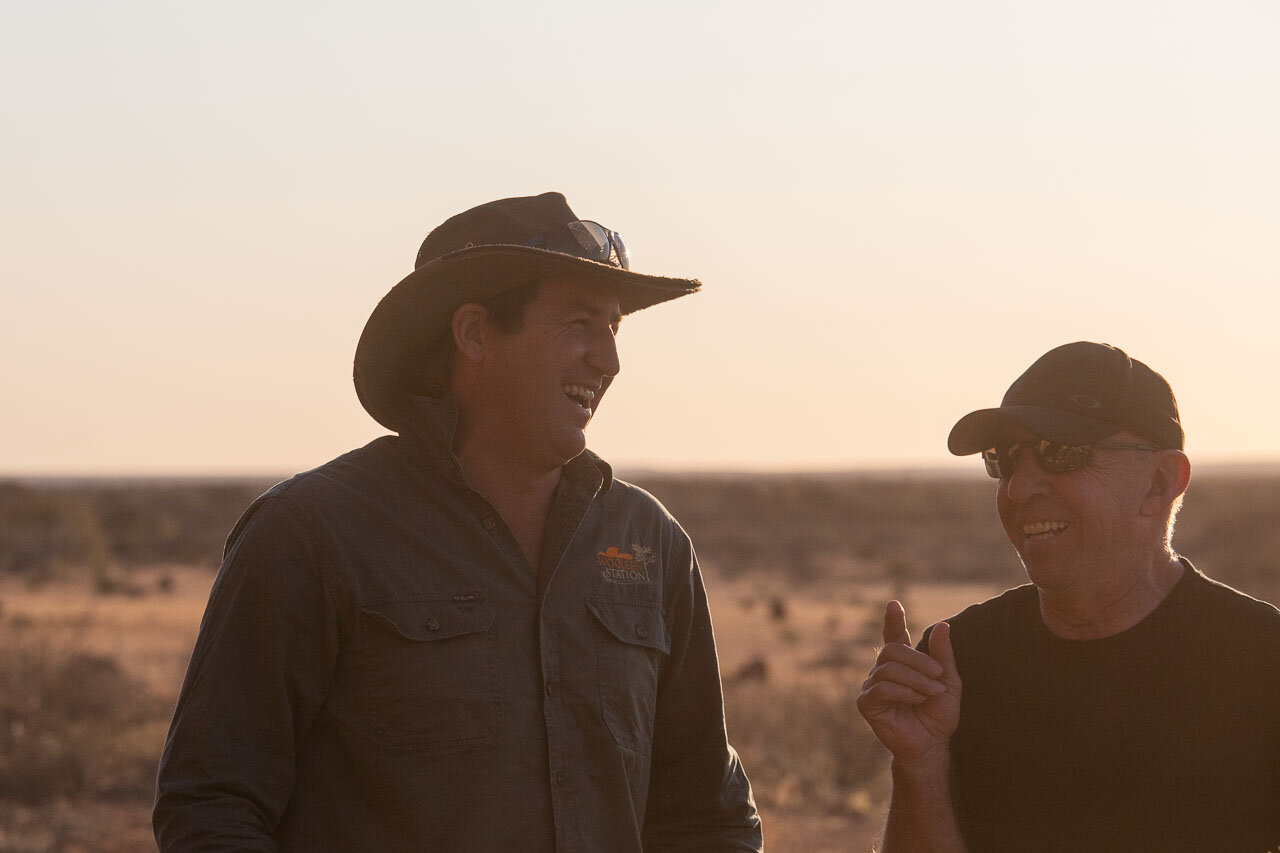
[470, 327]
[1169, 479]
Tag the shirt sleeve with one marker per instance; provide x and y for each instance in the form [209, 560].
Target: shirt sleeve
[262, 665]
[699, 796]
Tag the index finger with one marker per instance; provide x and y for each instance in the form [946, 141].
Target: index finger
[895, 624]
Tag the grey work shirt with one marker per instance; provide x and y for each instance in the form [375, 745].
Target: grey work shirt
[380, 669]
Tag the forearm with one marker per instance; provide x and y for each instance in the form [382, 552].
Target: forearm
[921, 816]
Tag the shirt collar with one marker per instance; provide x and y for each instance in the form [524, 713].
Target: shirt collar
[433, 424]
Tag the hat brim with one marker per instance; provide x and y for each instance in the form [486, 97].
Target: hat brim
[985, 428]
[414, 316]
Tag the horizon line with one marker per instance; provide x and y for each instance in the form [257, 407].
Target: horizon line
[1263, 466]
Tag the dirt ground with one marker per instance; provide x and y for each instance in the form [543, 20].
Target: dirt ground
[800, 633]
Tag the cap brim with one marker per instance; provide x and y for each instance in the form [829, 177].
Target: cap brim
[985, 428]
[413, 317]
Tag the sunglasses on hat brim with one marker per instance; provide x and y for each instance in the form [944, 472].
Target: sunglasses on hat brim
[585, 239]
[1053, 457]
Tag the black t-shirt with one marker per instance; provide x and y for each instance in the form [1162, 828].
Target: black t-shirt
[1165, 737]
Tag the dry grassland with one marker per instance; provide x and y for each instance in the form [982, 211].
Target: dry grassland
[100, 601]
[87, 683]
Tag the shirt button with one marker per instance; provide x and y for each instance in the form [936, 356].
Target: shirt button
[562, 778]
[489, 524]
[433, 625]
[642, 632]
[549, 688]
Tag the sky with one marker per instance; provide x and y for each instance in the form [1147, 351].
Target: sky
[894, 208]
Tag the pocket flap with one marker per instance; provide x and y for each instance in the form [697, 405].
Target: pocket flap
[636, 622]
[437, 617]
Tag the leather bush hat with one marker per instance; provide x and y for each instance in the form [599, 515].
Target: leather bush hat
[1078, 393]
[472, 257]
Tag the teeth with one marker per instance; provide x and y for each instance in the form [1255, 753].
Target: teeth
[581, 393]
[1039, 527]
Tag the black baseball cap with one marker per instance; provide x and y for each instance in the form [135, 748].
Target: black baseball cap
[1078, 393]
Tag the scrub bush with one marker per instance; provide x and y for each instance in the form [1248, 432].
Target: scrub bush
[73, 723]
[806, 748]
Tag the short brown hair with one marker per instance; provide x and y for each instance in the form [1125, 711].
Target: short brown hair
[504, 310]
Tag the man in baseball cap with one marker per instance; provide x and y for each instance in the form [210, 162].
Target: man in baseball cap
[1121, 701]
[468, 635]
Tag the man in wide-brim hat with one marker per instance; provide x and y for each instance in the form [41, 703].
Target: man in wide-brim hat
[468, 635]
[1122, 700]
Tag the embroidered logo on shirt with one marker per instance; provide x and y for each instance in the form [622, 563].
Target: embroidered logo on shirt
[620, 567]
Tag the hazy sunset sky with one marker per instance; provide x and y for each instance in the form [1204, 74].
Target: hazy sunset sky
[894, 208]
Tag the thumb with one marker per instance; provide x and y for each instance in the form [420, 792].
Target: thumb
[895, 624]
[940, 650]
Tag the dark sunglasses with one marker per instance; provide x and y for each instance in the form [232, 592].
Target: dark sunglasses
[585, 239]
[1052, 457]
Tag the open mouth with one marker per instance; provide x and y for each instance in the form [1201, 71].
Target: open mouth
[581, 395]
[1040, 530]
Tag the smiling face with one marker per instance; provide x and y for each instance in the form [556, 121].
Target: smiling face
[541, 384]
[1079, 530]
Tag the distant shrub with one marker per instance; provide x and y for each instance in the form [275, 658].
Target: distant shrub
[843, 526]
[803, 527]
[1228, 528]
[163, 521]
[70, 722]
[806, 748]
[82, 686]
[47, 528]
[43, 532]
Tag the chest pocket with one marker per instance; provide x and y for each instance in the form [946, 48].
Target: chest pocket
[632, 643]
[428, 672]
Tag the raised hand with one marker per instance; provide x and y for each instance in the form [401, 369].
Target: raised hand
[910, 699]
